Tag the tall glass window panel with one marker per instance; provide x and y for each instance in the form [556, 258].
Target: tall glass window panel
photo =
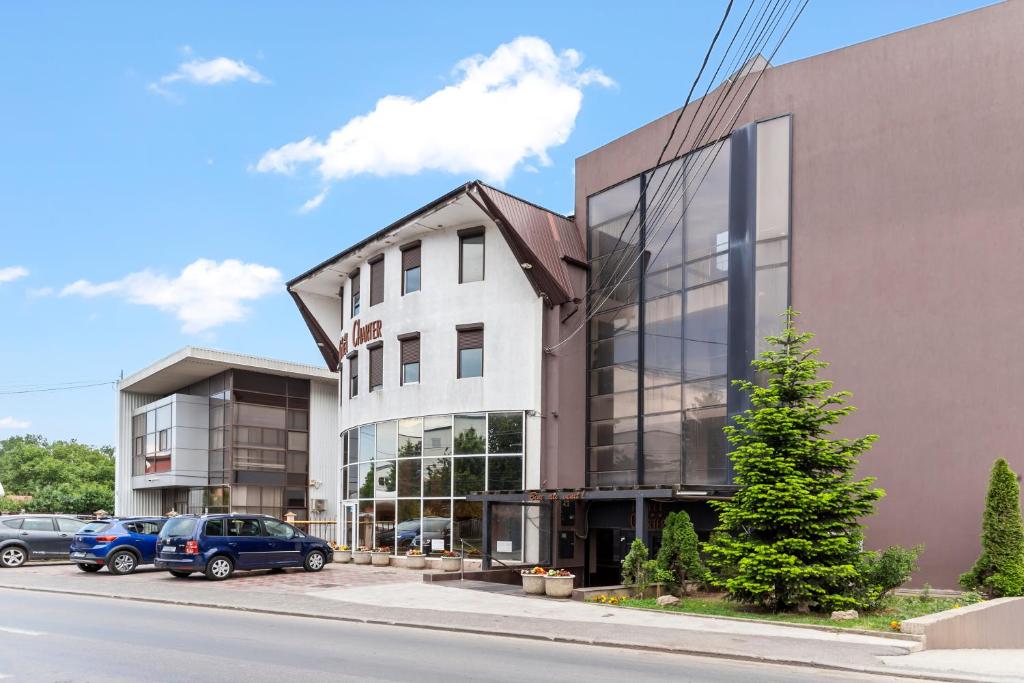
[773, 172]
[437, 477]
[409, 478]
[437, 525]
[613, 379]
[367, 441]
[384, 525]
[385, 479]
[364, 532]
[467, 527]
[608, 213]
[611, 323]
[613, 432]
[504, 433]
[618, 349]
[469, 475]
[437, 435]
[663, 449]
[365, 479]
[613, 406]
[665, 198]
[705, 331]
[387, 439]
[410, 437]
[353, 445]
[352, 481]
[471, 257]
[705, 446]
[707, 213]
[411, 281]
[505, 473]
[407, 528]
[471, 434]
[770, 304]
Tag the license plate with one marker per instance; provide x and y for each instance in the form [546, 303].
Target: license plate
[77, 554]
[169, 548]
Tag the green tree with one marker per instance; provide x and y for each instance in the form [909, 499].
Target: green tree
[790, 536]
[62, 476]
[470, 441]
[679, 549]
[1000, 569]
[633, 563]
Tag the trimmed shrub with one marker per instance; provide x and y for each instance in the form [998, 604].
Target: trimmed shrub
[679, 550]
[1000, 569]
[882, 572]
[633, 563]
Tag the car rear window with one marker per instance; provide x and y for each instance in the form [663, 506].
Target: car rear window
[181, 526]
[95, 527]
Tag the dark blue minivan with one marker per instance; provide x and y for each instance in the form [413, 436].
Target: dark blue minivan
[120, 545]
[217, 545]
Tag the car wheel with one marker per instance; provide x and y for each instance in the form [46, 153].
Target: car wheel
[13, 556]
[219, 568]
[122, 562]
[179, 574]
[90, 568]
[315, 561]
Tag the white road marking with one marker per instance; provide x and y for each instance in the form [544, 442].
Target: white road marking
[21, 631]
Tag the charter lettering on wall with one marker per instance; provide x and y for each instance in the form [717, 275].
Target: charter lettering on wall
[360, 335]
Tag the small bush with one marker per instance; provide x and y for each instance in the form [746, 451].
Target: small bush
[678, 554]
[633, 563]
[882, 572]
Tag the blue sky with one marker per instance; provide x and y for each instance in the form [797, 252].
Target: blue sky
[155, 189]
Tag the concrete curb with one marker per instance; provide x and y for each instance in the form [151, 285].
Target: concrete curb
[911, 675]
[908, 637]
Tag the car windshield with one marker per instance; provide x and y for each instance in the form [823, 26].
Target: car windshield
[180, 526]
[95, 527]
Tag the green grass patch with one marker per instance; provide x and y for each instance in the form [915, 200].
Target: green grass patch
[888, 618]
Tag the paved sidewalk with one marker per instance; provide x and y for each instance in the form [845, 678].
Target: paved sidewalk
[399, 597]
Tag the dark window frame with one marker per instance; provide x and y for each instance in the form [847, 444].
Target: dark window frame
[470, 233]
[376, 350]
[353, 374]
[354, 290]
[406, 249]
[376, 280]
[459, 348]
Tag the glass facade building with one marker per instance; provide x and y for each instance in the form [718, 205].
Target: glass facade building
[681, 290]
[404, 482]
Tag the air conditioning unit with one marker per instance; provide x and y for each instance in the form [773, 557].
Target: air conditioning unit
[317, 504]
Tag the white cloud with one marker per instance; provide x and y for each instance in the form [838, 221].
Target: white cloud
[205, 295]
[11, 273]
[314, 202]
[206, 72]
[502, 109]
[13, 423]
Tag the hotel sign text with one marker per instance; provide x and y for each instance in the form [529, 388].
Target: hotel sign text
[360, 335]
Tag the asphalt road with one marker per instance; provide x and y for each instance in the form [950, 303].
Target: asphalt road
[47, 637]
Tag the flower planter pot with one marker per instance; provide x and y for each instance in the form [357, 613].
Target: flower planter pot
[558, 586]
[533, 584]
[451, 564]
[415, 561]
[361, 557]
[343, 556]
[380, 559]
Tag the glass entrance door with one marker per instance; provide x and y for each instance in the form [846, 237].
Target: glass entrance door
[348, 525]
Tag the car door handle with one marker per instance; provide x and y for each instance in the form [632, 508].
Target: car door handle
[233, 545]
[63, 535]
[24, 533]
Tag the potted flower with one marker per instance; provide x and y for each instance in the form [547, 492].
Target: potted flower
[381, 556]
[415, 559]
[343, 554]
[558, 583]
[533, 580]
[361, 555]
[451, 561]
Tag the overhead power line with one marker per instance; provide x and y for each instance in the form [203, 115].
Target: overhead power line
[57, 388]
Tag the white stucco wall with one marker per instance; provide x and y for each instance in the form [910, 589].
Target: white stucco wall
[504, 301]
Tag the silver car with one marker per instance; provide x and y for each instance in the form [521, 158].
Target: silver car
[36, 537]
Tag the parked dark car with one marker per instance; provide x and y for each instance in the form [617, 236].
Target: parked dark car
[120, 545]
[217, 545]
[36, 537]
[434, 528]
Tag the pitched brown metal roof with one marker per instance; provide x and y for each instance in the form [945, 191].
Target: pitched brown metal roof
[544, 239]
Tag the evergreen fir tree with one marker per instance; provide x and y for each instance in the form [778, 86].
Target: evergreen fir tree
[790, 535]
[679, 549]
[1000, 569]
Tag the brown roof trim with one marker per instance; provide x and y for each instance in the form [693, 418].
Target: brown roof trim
[323, 342]
[469, 326]
[410, 245]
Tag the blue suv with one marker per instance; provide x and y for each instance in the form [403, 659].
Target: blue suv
[217, 545]
[120, 545]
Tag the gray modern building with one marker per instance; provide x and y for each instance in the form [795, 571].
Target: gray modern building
[204, 430]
